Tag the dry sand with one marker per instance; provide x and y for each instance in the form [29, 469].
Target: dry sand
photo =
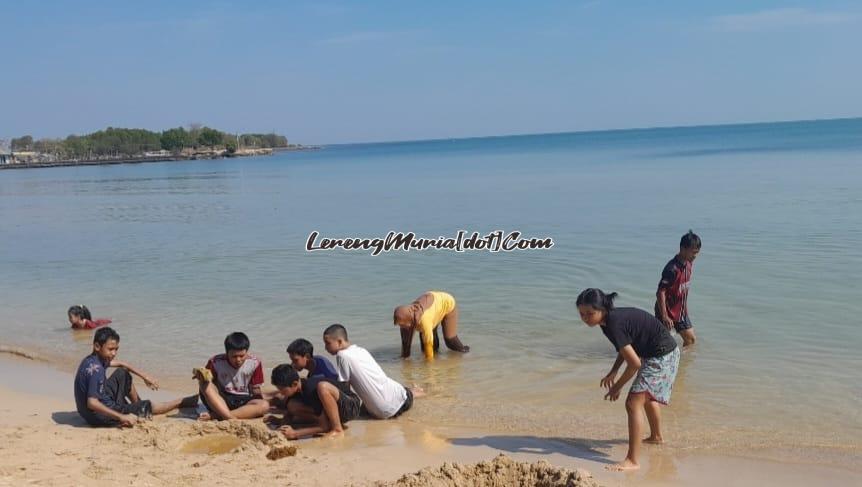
[44, 442]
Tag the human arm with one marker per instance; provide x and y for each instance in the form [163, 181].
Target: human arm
[295, 434]
[149, 381]
[93, 404]
[256, 382]
[633, 364]
[662, 308]
[406, 340]
[608, 381]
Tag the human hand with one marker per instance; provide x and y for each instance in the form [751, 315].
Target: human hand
[128, 420]
[288, 432]
[609, 380]
[272, 420]
[667, 322]
[613, 393]
[151, 383]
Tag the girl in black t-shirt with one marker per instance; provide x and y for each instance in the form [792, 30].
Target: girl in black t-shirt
[651, 356]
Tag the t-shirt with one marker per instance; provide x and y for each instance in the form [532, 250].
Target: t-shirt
[323, 368]
[309, 394]
[90, 382]
[381, 395]
[643, 331]
[675, 281]
[442, 305]
[236, 381]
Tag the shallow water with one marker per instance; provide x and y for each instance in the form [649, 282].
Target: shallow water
[212, 445]
[180, 254]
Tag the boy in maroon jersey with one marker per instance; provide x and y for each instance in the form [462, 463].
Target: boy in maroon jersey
[671, 305]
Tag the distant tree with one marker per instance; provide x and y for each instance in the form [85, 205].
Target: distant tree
[209, 137]
[175, 140]
[24, 143]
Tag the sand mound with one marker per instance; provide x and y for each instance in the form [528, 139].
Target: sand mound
[499, 472]
[208, 437]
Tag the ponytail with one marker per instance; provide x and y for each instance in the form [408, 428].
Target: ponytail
[597, 299]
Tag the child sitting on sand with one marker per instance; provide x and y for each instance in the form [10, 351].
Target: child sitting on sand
[426, 314]
[332, 402]
[382, 397]
[81, 319]
[648, 349]
[302, 357]
[230, 382]
[114, 401]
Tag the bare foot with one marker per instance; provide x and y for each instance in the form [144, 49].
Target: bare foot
[654, 440]
[623, 466]
[335, 434]
[417, 391]
[204, 417]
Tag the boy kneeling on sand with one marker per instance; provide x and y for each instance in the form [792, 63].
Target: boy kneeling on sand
[114, 401]
[331, 402]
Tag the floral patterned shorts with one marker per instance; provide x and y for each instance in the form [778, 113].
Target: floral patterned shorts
[656, 376]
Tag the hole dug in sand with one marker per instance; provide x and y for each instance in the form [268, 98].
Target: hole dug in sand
[214, 438]
[499, 472]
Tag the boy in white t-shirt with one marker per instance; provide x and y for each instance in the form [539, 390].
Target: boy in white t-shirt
[383, 397]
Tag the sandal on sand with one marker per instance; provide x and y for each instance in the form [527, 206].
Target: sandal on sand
[203, 374]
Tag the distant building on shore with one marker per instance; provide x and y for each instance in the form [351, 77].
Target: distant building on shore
[7, 158]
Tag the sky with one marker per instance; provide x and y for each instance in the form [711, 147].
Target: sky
[324, 72]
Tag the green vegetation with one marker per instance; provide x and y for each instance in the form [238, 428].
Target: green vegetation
[118, 142]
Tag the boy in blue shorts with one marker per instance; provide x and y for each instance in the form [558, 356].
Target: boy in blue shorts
[671, 306]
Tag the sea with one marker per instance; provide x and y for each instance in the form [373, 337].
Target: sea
[179, 254]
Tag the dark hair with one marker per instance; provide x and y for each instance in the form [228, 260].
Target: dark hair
[80, 311]
[236, 341]
[335, 331]
[283, 376]
[597, 299]
[102, 335]
[689, 241]
[301, 346]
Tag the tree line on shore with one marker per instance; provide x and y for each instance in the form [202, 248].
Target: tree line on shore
[119, 142]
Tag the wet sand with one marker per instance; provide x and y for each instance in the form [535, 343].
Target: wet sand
[43, 441]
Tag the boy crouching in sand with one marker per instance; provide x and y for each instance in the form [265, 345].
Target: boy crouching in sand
[230, 383]
[114, 401]
[332, 402]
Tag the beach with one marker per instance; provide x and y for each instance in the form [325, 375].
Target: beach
[180, 254]
[44, 442]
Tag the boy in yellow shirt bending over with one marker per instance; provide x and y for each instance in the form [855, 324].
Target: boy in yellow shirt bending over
[429, 310]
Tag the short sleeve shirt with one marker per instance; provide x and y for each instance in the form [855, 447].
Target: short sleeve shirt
[676, 281]
[90, 382]
[643, 331]
[381, 395]
[323, 368]
[236, 381]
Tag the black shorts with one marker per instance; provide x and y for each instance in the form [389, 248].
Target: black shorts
[683, 324]
[117, 387]
[408, 403]
[348, 406]
[233, 401]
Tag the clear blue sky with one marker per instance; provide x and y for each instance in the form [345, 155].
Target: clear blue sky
[329, 72]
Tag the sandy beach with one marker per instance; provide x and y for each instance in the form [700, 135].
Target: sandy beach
[44, 442]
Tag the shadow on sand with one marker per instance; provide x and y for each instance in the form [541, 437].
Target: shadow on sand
[585, 449]
[69, 418]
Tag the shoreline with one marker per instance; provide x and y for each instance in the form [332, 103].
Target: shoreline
[42, 412]
[144, 160]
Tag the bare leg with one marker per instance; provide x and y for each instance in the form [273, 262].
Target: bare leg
[329, 395]
[450, 332]
[634, 410]
[688, 337]
[218, 408]
[255, 408]
[653, 414]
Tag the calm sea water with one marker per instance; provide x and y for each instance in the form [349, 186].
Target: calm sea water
[180, 254]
